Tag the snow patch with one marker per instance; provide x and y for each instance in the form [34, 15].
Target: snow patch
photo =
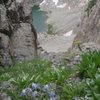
[56, 1]
[69, 7]
[68, 33]
[43, 2]
[61, 6]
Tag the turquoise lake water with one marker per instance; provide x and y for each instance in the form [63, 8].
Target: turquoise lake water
[39, 18]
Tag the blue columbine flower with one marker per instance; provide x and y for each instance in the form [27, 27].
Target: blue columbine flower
[46, 88]
[25, 91]
[52, 96]
[35, 86]
[86, 98]
[75, 98]
[35, 94]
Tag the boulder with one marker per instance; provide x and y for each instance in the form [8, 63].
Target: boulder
[23, 43]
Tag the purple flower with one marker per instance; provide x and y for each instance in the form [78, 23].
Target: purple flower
[46, 88]
[75, 98]
[35, 86]
[86, 98]
[35, 94]
[53, 98]
[25, 91]
[52, 94]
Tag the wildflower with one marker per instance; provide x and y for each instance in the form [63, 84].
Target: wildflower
[52, 96]
[78, 42]
[35, 86]
[86, 98]
[28, 89]
[75, 98]
[46, 88]
[35, 94]
[25, 91]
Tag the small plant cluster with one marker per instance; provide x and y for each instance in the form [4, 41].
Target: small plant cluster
[89, 64]
[51, 29]
[89, 70]
[93, 86]
[37, 92]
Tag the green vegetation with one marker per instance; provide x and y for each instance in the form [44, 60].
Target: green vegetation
[39, 81]
[89, 64]
[93, 86]
[23, 74]
[89, 70]
[51, 29]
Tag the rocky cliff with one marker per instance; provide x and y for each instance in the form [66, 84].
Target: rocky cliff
[18, 37]
[88, 31]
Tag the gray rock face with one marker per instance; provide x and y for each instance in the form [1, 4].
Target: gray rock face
[23, 43]
[3, 20]
[89, 28]
[5, 58]
[28, 4]
[18, 37]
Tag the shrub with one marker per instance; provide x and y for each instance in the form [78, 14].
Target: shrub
[51, 29]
